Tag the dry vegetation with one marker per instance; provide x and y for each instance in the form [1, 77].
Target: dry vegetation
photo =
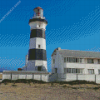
[48, 91]
[0, 76]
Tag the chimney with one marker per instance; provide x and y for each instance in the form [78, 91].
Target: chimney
[58, 48]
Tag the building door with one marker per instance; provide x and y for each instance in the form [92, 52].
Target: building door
[39, 68]
[55, 70]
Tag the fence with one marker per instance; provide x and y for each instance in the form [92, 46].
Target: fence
[47, 77]
[14, 75]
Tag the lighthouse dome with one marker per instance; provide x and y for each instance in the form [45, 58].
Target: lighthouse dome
[38, 8]
[38, 12]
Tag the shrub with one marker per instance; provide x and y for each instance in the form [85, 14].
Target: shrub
[6, 80]
[14, 85]
[52, 84]
[64, 86]
[5, 83]
[77, 82]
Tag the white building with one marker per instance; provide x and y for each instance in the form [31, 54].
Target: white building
[72, 62]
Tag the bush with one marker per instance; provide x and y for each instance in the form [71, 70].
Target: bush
[14, 85]
[23, 81]
[77, 82]
[64, 86]
[6, 80]
[52, 83]
[5, 83]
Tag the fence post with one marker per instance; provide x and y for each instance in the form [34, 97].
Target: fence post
[95, 78]
[33, 76]
[41, 77]
[76, 77]
[11, 76]
[26, 76]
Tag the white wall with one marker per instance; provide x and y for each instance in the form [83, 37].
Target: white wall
[25, 75]
[34, 25]
[58, 63]
[71, 77]
[34, 42]
[53, 77]
[84, 66]
[31, 65]
[26, 60]
[47, 77]
[6, 76]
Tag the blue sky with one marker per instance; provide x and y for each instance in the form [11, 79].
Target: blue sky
[72, 24]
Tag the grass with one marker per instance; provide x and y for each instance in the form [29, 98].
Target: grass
[28, 81]
[77, 82]
[94, 88]
[0, 76]
[64, 86]
[14, 85]
[52, 84]
[22, 81]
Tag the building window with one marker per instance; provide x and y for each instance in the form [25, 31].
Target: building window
[67, 59]
[64, 59]
[71, 59]
[98, 71]
[80, 60]
[90, 61]
[77, 70]
[53, 61]
[39, 25]
[90, 71]
[68, 70]
[38, 46]
[77, 59]
[98, 61]
[73, 70]
[81, 71]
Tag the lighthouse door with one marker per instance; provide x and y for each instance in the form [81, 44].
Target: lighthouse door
[39, 68]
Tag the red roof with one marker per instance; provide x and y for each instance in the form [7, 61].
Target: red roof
[38, 8]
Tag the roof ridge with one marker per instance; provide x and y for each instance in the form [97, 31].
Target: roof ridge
[79, 50]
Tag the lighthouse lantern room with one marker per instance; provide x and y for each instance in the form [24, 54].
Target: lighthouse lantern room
[38, 12]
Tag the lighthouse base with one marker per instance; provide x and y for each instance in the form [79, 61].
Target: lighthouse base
[36, 65]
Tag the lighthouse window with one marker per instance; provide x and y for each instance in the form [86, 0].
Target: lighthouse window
[38, 46]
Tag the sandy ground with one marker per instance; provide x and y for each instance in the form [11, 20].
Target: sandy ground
[35, 91]
[0, 76]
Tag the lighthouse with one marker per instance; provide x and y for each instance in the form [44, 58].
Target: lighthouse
[37, 58]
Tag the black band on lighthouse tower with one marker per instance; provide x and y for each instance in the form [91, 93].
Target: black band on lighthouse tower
[37, 54]
[37, 33]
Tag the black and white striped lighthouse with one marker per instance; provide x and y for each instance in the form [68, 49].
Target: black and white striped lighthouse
[37, 59]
